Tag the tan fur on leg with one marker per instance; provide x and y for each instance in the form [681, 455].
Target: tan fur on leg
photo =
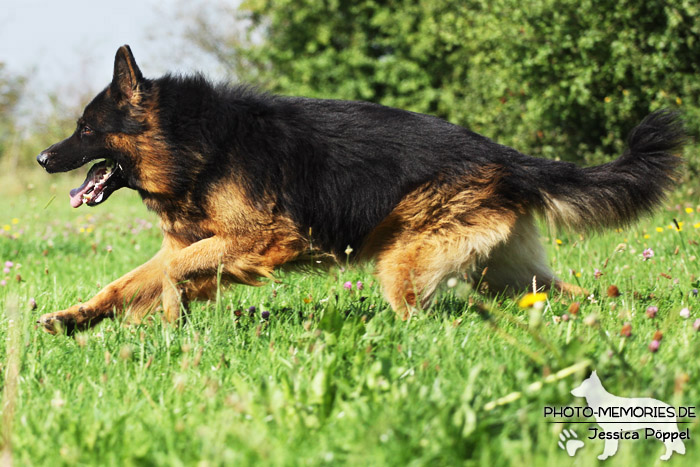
[570, 289]
[435, 231]
[136, 293]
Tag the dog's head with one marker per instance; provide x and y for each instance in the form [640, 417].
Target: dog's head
[587, 385]
[120, 129]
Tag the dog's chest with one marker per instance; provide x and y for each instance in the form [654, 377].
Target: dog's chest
[183, 230]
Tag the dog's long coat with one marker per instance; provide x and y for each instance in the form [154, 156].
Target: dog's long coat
[251, 182]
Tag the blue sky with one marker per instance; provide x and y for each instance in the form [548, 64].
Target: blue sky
[68, 46]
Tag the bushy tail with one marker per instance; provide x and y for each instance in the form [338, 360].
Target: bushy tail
[618, 192]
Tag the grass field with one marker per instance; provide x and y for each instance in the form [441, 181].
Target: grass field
[330, 376]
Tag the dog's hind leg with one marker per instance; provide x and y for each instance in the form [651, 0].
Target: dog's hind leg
[513, 266]
[672, 446]
[411, 266]
[669, 451]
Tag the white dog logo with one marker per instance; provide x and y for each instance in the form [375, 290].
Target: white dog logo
[619, 415]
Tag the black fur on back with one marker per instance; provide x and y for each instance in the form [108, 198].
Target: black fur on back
[337, 168]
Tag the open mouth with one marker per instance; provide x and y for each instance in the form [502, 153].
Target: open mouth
[101, 181]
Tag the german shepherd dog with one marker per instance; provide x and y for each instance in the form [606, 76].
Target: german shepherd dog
[246, 183]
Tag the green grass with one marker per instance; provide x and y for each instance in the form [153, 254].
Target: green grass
[329, 378]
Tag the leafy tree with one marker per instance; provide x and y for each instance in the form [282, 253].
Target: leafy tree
[10, 93]
[561, 78]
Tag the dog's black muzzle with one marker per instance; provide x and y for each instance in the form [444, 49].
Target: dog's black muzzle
[43, 158]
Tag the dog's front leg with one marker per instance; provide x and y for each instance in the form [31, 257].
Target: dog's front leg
[135, 294]
[242, 260]
[609, 449]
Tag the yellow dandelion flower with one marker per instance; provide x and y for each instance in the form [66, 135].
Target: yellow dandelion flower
[697, 226]
[659, 229]
[578, 274]
[82, 230]
[607, 99]
[646, 236]
[6, 227]
[689, 210]
[559, 242]
[15, 220]
[531, 298]
[679, 101]
[89, 230]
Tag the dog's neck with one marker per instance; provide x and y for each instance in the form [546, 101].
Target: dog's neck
[597, 395]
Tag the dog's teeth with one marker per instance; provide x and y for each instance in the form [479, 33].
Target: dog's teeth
[99, 197]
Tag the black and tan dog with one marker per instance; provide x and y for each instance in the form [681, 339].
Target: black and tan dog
[245, 183]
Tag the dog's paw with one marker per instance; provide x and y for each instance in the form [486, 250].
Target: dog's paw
[54, 323]
[570, 442]
[570, 290]
[62, 322]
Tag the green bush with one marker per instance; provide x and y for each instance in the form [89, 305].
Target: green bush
[563, 79]
[10, 91]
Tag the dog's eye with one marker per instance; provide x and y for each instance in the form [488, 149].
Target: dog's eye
[86, 130]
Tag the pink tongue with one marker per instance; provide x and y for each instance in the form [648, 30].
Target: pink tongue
[76, 194]
[94, 174]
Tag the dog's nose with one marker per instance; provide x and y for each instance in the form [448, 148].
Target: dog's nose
[42, 158]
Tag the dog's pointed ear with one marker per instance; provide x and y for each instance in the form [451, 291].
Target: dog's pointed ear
[594, 375]
[127, 76]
